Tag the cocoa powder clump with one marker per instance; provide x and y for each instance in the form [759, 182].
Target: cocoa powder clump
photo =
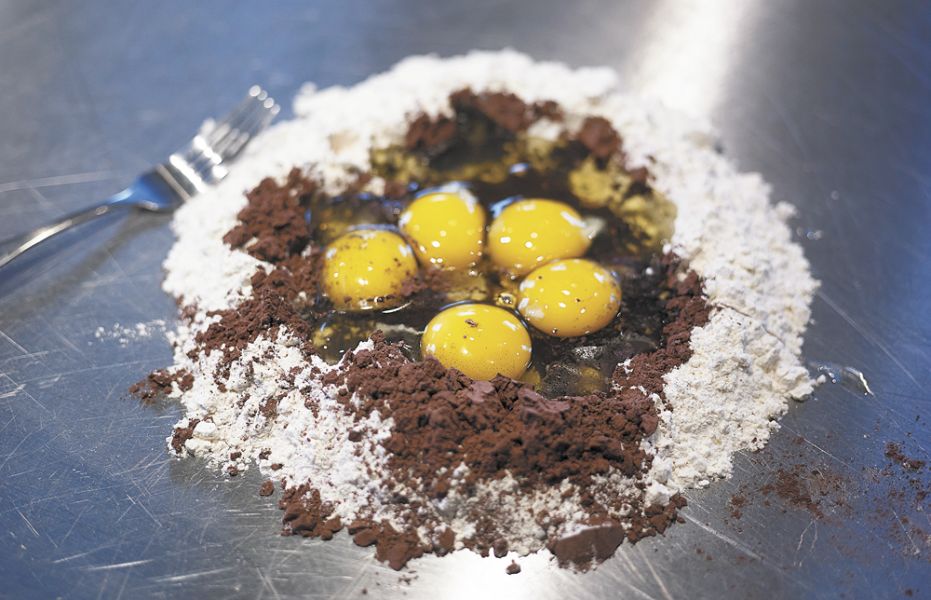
[267, 488]
[159, 383]
[305, 514]
[272, 226]
[593, 544]
[599, 137]
[430, 136]
[287, 296]
[894, 453]
[504, 109]
[263, 314]
[182, 434]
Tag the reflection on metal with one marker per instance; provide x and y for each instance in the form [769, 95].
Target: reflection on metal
[688, 50]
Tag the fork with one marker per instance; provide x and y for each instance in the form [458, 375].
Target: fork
[186, 173]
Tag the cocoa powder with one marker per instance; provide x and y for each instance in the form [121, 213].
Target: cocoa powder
[685, 309]
[182, 434]
[272, 225]
[430, 136]
[599, 137]
[442, 419]
[306, 515]
[504, 109]
[159, 383]
[894, 453]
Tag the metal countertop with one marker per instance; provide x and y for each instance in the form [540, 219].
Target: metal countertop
[829, 100]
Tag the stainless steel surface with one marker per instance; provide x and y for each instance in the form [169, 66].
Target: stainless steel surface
[186, 172]
[828, 99]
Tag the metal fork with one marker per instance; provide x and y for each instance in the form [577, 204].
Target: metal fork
[186, 173]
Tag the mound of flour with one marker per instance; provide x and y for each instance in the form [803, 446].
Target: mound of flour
[745, 364]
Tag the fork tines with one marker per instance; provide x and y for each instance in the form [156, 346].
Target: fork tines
[202, 162]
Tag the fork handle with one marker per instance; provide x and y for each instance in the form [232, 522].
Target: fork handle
[27, 241]
[143, 193]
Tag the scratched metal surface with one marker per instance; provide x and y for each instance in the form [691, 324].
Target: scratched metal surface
[828, 99]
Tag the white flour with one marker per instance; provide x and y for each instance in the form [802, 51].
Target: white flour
[745, 364]
[126, 334]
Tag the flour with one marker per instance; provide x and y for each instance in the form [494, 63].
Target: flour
[126, 334]
[745, 363]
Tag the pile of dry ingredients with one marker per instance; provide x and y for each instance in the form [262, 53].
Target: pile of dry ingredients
[414, 458]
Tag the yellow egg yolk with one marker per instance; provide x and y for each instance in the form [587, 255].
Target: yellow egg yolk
[366, 269]
[529, 233]
[446, 229]
[569, 298]
[480, 340]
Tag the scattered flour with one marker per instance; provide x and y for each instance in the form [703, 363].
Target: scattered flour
[126, 334]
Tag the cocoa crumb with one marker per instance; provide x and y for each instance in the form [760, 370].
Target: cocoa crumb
[183, 434]
[894, 453]
[504, 109]
[158, 384]
[737, 503]
[547, 109]
[306, 515]
[599, 137]
[430, 136]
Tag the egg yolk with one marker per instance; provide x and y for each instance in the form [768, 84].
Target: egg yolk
[569, 298]
[446, 229]
[480, 340]
[529, 233]
[366, 269]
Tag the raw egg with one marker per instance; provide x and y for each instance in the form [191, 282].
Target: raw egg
[569, 298]
[366, 269]
[446, 229]
[480, 340]
[529, 233]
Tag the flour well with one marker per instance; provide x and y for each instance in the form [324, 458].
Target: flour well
[744, 368]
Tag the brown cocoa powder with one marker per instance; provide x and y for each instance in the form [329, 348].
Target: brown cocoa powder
[182, 434]
[599, 137]
[504, 109]
[306, 515]
[894, 453]
[272, 225]
[158, 384]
